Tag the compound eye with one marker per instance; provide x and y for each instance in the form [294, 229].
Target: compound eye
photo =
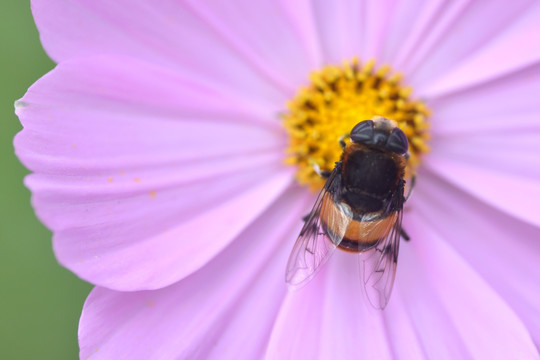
[362, 132]
[397, 141]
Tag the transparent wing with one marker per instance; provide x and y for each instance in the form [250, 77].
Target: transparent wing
[316, 243]
[380, 263]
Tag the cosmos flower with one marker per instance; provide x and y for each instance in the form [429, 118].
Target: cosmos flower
[167, 158]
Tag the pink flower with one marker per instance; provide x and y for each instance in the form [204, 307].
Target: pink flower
[157, 156]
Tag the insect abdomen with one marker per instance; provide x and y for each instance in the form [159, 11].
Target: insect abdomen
[357, 235]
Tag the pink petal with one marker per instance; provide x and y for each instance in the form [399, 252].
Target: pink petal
[504, 251]
[133, 249]
[405, 37]
[456, 312]
[507, 105]
[377, 25]
[449, 45]
[300, 14]
[349, 327]
[486, 140]
[296, 333]
[223, 311]
[184, 37]
[500, 186]
[274, 37]
[327, 320]
[401, 330]
[158, 116]
[339, 29]
[513, 50]
[114, 141]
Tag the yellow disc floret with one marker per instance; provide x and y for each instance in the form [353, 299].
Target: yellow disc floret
[338, 98]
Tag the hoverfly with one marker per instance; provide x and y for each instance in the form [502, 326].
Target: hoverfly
[359, 210]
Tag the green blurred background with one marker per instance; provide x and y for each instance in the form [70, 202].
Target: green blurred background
[40, 302]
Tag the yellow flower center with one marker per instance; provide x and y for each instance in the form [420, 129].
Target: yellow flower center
[338, 98]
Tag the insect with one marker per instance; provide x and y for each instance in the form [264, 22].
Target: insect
[359, 210]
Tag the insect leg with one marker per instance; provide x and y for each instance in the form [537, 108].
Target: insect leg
[404, 235]
[342, 142]
[413, 181]
[325, 174]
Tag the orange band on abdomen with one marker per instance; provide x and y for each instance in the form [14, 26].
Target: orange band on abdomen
[363, 234]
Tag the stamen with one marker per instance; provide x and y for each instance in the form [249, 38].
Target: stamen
[338, 98]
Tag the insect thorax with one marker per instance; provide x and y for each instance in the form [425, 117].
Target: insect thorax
[369, 177]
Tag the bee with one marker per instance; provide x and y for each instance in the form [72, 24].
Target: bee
[359, 210]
